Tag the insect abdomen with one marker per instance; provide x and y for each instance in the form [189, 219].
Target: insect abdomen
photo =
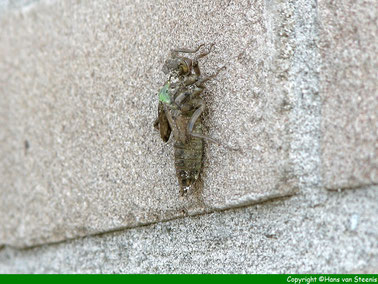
[188, 158]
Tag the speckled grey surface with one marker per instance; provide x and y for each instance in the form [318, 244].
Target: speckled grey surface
[349, 79]
[314, 231]
[338, 235]
[79, 80]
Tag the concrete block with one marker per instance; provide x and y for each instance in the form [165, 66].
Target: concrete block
[78, 100]
[349, 90]
[282, 236]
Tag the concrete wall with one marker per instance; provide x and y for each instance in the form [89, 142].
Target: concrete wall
[88, 186]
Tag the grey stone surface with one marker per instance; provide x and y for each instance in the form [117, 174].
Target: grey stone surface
[338, 235]
[7, 5]
[84, 170]
[78, 80]
[305, 114]
[349, 90]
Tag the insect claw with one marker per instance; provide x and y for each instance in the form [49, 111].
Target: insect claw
[224, 67]
[211, 46]
[198, 48]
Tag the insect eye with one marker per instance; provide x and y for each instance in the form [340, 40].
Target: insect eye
[184, 68]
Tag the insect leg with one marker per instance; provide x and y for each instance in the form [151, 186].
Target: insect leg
[205, 79]
[186, 50]
[195, 60]
[190, 94]
[200, 104]
[201, 107]
[180, 98]
[204, 53]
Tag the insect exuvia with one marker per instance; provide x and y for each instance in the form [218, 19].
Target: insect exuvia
[179, 111]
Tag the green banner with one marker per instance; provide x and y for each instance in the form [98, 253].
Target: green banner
[193, 279]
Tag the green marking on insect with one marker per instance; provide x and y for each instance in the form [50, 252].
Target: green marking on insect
[164, 94]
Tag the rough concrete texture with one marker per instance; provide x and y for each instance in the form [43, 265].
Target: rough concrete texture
[7, 5]
[286, 236]
[78, 85]
[267, 102]
[349, 90]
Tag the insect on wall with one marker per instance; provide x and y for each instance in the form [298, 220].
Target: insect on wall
[179, 113]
